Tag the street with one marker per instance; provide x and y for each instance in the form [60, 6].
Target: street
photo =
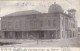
[44, 43]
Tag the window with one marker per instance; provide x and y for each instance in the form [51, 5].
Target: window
[62, 34]
[41, 23]
[54, 23]
[73, 33]
[34, 17]
[62, 22]
[49, 22]
[73, 25]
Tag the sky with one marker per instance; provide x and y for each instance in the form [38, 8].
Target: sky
[7, 7]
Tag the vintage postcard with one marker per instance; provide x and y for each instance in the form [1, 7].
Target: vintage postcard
[40, 25]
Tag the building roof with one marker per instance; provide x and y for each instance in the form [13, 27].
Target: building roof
[55, 8]
[19, 13]
[25, 13]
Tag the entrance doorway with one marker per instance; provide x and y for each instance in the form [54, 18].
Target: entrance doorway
[41, 34]
[18, 35]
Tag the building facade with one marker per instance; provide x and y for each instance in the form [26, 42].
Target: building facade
[35, 25]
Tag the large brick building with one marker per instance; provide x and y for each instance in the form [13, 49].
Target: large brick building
[35, 25]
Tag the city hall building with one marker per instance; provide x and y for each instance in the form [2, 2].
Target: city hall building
[32, 24]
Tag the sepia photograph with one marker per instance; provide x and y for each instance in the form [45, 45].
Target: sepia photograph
[40, 23]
